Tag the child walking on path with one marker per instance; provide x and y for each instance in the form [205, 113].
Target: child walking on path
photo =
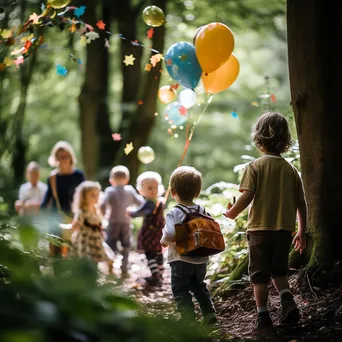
[88, 242]
[117, 198]
[187, 273]
[276, 190]
[149, 185]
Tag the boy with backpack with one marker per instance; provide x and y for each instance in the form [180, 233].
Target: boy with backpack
[187, 271]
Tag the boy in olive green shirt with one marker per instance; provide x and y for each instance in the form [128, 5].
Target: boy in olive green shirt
[276, 190]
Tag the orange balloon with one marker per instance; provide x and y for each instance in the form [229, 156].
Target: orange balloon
[166, 94]
[223, 77]
[214, 44]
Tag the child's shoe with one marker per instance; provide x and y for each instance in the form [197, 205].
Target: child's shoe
[264, 322]
[153, 281]
[290, 313]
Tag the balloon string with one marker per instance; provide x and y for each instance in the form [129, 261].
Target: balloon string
[188, 138]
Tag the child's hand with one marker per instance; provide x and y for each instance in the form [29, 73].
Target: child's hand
[128, 212]
[299, 242]
[229, 214]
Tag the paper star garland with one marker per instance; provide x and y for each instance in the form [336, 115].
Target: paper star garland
[183, 111]
[34, 18]
[19, 60]
[101, 25]
[8, 62]
[273, 98]
[116, 136]
[234, 115]
[148, 67]
[61, 70]
[79, 11]
[150, 33]
[72, 29]
[129, 60]
[129, 148]
[91, 36]
[107, 43]
[155, 59]
[6, 33]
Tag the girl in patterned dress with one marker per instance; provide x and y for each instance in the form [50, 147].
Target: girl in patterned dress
[149, 185]
[88, 241]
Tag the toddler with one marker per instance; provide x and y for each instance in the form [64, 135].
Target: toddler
[88, 241]
[276, 190]
[116, 199]
[32, 192]
[187, 273]
[149, 185]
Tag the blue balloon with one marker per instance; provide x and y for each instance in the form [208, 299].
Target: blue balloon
[182, 64]
[173, 114]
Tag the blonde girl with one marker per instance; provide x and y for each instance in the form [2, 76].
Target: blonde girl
[88, 240]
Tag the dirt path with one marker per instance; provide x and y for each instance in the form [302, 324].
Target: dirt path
[321, 321]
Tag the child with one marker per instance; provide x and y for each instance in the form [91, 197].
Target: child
[276, 190]
[149, 185]
[32, 192]
[116, 200]
[187, 273]
[88, 241]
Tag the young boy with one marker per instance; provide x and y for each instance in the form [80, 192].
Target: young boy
[187, 273]
[276, 190]
[32, 192]
[116, 200]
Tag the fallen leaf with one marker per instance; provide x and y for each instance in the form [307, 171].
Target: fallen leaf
[129, 148]
[129, 60]
[101, 25]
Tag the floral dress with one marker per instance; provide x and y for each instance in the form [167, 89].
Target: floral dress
[88, 242]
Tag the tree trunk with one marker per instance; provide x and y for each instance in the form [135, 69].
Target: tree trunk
[93, 99]
[315, 54]
[141, 123]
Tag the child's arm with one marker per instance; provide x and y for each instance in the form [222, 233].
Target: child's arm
[168, 231]
[146, 209]
[299, 240]
[242, 203]
[103, 203]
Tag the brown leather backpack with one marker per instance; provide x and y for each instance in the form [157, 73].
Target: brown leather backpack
[199, 234]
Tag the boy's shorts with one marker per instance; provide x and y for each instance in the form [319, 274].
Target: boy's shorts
[268, 254]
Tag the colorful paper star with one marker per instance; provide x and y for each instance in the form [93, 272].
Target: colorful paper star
[6, 33]
[101, 25]
[273, 98]
[61, 70]
[8, 61]
[2, 66]
[129, 60]
[255, 104]
[148, 67]
[234, 115]
[19, 60]
[169, 62]
[91, 36]
[129, 148]
[155, 59]
[150, 33]
[135, 43]
[107, 43]
[79, 11]
[116, 136]
[140, 102]
[72, 29]
[183, 111]
[34, 18]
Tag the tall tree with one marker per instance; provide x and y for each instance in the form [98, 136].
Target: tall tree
[315, 55]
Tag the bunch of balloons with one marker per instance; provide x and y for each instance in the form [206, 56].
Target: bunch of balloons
[210, 59]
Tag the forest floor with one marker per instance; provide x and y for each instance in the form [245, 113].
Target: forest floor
[320, 305]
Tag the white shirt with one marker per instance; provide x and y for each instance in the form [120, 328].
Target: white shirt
[28, 192]
[175, 216]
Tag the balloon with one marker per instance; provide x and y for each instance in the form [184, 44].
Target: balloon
[214, 45]
[223, 77]
[182, 64]
[173, 115]
[187, 98]
[57, 4]
[146, 154]
[153, 16]
[166, 94]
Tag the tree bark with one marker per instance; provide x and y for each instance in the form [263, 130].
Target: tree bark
[139, 127]
[315, 67]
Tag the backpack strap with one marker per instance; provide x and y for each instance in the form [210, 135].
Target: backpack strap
[183, 209]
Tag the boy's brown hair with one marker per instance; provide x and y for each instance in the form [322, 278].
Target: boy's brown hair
[186, 182]
[119, 172]
[271, 133]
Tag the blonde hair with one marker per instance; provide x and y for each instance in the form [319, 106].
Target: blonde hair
[151, 175]
[61, 146]
[119, 172]
[186, 182]
[79, 202]
[32, 166]
[271, 133]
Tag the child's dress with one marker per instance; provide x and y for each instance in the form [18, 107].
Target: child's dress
[150, 235]
[88, 242]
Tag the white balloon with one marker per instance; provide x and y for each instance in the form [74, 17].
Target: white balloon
[187, 98]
